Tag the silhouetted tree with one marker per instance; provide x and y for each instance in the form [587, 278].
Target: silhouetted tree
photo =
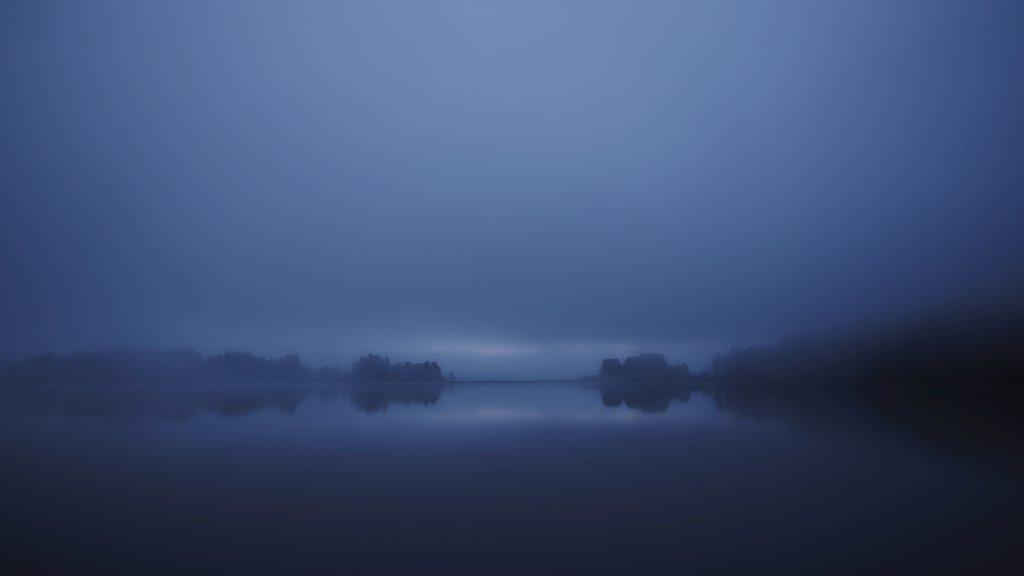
[146, 366]
[611, 368]
[371, 368]
[643, 368]
[330, 374]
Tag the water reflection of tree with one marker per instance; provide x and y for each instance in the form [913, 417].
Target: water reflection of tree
[176, 402]
[179, 402]
[983, 422]
[374, 398]
[644, 397]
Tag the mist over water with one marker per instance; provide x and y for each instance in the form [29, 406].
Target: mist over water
[511, 189]
[488, 287]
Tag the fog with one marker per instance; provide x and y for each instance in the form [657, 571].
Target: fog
[513, 189]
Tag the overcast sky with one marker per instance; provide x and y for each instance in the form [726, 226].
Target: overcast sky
[513, 188]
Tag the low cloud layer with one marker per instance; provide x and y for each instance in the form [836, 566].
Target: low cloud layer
[514, 188]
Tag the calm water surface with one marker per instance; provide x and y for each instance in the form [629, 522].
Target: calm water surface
[505, 479]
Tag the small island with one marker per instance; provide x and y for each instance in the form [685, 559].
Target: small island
[649, 367]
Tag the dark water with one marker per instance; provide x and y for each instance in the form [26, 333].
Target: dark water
[516, 479]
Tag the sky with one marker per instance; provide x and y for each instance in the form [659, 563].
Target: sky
[515, 189]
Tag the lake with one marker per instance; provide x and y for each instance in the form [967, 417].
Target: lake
[507, 479]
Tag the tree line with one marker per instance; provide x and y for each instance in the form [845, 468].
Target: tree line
[183, 366]
[951, 350]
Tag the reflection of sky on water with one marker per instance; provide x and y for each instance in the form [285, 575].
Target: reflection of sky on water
[434, 404]
[525, 404]
[387, 480]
